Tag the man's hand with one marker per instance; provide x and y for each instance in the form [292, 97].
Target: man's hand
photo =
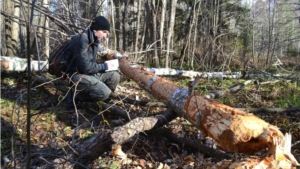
[118, 55]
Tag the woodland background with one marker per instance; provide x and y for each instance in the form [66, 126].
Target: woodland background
[200, 35]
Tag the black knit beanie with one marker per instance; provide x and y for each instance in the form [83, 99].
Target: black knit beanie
[100, 23]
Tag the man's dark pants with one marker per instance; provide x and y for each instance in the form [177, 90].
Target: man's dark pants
[92, 88]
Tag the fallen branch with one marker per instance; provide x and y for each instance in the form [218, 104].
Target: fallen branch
[192, 74]
[137, 125]
[92, 148]
[128, 100]
[193, 144]
[233, 89]
[291, 111]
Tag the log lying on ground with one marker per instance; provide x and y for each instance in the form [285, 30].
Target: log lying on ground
[192, 74]
[218, 93]
[17, 64]
[194, 144]
[290, 111]
[92, 148]
[234, 130]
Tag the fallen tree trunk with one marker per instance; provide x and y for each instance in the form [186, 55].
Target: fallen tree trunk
[234, 130]
[17, 64]
[192, 74]
[218, 93]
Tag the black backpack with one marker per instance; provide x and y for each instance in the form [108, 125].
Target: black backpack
[57, 62]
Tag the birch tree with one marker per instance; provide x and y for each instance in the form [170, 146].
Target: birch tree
[47, 32]
[154, 34]
[15, 33]
[118, 23]
[8, 30]
[113, 24]
[1, 28]
[170, 32]
[137, 33]
[162, 25]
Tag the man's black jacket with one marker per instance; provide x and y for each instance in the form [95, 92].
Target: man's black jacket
[81, 54]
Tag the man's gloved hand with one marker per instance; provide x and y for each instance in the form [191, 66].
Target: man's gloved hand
[118, 55]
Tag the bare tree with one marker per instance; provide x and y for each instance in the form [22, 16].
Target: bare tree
[117, 23]
[170, 31]
[9, 45]
[47, 32]
[125, 25]
[1, 28]
[113, 24]
[15, 29]
[137, 33]
[162, 25]
[188, 40]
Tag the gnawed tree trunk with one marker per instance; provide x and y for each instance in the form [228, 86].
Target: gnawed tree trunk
[234, 130]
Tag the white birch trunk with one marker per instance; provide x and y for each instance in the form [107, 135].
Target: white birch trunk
[162, 24]
[47, 32]
[170, 32]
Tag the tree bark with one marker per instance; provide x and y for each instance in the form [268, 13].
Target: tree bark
[170, 31]
[1, 28]
[137, 33]
[125, 25]
[8, 30]
[154, 34]
[118, 25]
[47, 32]
[113, 24]
[15, 33]
[162, 24]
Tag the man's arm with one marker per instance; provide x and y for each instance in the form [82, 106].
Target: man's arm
[85, 61]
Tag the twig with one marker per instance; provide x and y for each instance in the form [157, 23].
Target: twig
[53, 155]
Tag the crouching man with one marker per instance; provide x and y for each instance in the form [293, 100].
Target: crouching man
[92, 81]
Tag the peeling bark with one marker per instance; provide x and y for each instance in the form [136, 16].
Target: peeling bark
[121, 134]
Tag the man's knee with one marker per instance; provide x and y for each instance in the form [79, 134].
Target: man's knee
[101, 94]
[116, 77]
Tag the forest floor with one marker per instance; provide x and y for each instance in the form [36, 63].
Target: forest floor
[52, 131]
